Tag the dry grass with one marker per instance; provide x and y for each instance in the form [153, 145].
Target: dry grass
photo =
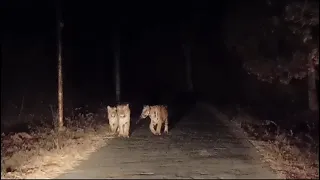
[44, 153]
[293, 155]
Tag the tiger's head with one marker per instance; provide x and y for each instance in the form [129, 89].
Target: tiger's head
[145, 111]
[123, 111]
[112, 112]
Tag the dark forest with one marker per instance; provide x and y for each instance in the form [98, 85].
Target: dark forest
[247, 65]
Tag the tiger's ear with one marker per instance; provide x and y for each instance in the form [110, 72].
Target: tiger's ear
[127, 105]
[108, 107]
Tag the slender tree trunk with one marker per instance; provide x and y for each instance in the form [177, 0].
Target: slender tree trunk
[99, 72]
[186, 50]
[312, 86]
[2, 73]
[60, 77]
[2, 61]
[117, 68]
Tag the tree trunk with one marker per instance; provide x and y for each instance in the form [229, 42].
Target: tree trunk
[117, 68]
[186, 50]
[60, 77]
[312, 86]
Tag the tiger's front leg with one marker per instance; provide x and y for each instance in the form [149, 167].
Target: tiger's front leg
[159, 125]
[126, 129]
[113, 128]
[120, 130]
[151, 127]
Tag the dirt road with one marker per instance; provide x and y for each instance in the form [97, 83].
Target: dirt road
[199, 146]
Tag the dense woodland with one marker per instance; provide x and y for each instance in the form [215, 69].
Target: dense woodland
[276, 43]
[280, 45]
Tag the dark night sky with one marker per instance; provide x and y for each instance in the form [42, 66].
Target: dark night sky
[151, 36]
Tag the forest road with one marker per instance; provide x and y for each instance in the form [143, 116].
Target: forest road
[199, 146]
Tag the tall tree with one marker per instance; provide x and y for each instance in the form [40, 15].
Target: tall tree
[117, 66]
[303, 20]
[188, 65]
[59, 26]
[280, 43]
[186, 48]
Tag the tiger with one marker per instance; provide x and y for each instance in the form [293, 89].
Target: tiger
[124, 120]
[113, 119]
[158, 115]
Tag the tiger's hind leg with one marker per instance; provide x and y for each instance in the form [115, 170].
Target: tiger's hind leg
[151, 127]
[166, 126]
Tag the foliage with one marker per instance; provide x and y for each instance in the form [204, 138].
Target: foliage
[275, 42]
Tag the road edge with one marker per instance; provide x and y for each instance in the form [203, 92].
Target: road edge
[236, 129]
